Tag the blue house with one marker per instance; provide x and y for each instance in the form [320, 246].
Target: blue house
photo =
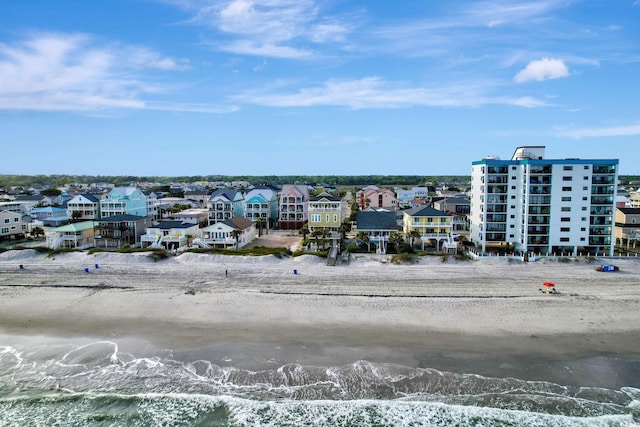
[124, 201]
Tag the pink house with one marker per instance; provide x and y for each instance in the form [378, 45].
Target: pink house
[373, 197]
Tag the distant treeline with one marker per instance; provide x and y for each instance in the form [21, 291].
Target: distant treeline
[26, 181]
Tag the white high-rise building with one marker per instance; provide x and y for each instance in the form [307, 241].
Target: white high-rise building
[533, 204]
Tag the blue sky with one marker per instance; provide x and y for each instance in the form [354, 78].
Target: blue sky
[313, 87]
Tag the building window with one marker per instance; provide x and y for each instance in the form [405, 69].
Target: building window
[566, 188]
[513, 168]
[566, 198]
[567, 168]
[584, 208]
[584, 218]
[513, 187]
[565, 219]
[511, 236]
[565, 229]
[512, 226]
[566, 209]
[586, 178]
[513, 177]
[582, 239]
[315, 218]
[586, 167]
[567, 178]
[335, 217]
[564, 239]
[513, 197]
[583, 228]
[327, 217]
[585, 198]
[585, 188]
[6, 220]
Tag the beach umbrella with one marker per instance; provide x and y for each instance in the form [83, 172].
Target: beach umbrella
[549, 285]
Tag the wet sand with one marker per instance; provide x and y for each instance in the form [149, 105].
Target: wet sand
[301, 310]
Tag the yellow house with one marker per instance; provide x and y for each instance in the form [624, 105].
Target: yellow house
[325, 213]
[431, 224]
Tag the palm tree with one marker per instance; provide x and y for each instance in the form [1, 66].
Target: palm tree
[236, 235]
[304, 231]
[396, 238]
[363, 236]
[261, 223]
[325, 233]
[413, 234]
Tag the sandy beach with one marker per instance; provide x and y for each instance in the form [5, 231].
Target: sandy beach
[195, 300]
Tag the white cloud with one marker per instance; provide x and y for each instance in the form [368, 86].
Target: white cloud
[529, 102]
[248, 47]
[374, 92]
[62, 72]
[270, 28]
[613, 131]
[542, 69]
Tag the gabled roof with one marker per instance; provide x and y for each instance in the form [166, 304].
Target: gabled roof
[372, 220]
[259, 194]
[89, 197]
[300, 190]
[121, 218]
[425, 211]
[77, 226]
[224, 193]
[456, 201]
[238, 222]
[124, 191]
[325, 196]
[50, 209]
[28, 198]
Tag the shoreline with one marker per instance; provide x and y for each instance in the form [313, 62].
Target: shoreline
[407, 314]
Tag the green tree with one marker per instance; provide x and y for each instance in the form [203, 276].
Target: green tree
[236, 235]
[396, 238]
[76, 215]
[261, 223]
[363, 236]
[37, 232]
[412, 235]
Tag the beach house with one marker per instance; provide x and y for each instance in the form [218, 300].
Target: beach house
[294, 206]
[378, 226]
[224, 204]
[325, 216]
[84, 207]
[124, 201]
[261, 203]
[230, 233]
[117, 230]
[11, 225]
[171, 235]
[79, 235]
[429, 225]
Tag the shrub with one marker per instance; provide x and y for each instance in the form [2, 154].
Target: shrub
[564, 260]
[404, 258]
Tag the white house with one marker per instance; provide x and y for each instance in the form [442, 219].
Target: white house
[170, 235]
[234, 232]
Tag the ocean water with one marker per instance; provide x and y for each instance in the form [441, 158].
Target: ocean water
[56, 382]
